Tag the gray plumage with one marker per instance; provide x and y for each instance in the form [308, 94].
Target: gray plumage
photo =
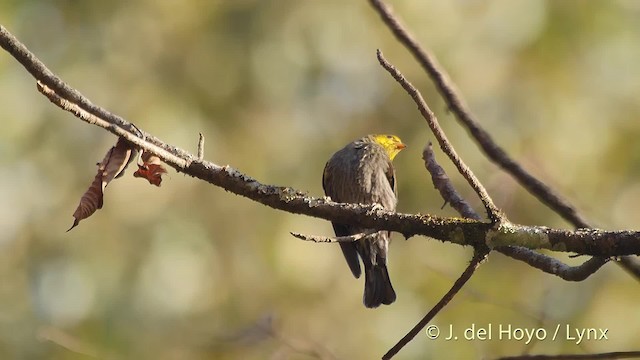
[362, 172]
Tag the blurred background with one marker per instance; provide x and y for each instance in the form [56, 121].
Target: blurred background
[189, 271]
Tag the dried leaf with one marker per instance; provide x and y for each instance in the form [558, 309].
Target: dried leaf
[117, 160]
[90, 202]
[111, 167]
[150, 169]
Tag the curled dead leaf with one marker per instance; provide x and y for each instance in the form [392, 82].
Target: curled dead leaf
[121, 156]
[111, 167]
[150, 169]
[90, 202]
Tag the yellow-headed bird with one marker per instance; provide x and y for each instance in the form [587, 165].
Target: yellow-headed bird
[362, 172]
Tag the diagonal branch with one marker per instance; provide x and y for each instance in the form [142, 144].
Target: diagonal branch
[539, 261]
[492, 210]
[41, 73]
[457, 105]
[479, 255]
[444, 186]
[81, 113]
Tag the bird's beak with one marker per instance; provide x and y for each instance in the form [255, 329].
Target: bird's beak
[400, 146]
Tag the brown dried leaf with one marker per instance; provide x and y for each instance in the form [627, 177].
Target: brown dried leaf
[116, 161]
[90, 202]
[150, 169]
[111, 167]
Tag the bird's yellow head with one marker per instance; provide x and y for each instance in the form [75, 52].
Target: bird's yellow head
[391, 144]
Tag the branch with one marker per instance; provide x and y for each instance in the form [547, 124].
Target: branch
[478, 257]
[454, 230]
[448, 192]
[329, 239]
[455, 103]
[534, 259]
[201, 147]
[631, 265]
[445, 187]
[41, 73]
[554, 266]
[494, 213]
[458, 107]
[75, 109]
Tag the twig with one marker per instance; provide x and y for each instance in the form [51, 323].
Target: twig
[631, 265]
[539, 261]
[478, 256]
[41, 73]
[329, 239]
[445, 187]
[494, 213]
[553, 266]
[201, 147]
[82, 114]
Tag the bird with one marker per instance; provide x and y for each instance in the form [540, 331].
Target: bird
[362, 172]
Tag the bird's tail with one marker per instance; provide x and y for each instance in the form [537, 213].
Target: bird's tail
[377, 286]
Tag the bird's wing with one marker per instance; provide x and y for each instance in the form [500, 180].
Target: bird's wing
[349, 249]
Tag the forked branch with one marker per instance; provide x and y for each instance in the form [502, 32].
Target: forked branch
[454, 230]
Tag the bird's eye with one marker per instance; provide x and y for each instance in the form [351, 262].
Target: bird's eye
[389, 137]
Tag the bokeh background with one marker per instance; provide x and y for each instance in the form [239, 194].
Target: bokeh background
[189, 271]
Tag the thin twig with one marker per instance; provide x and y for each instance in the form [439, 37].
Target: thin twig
[539, 261]
[201, 147]
[41, 73]
[631, 265]
[442, 183]
[478, 256]
[333, 239]
[445, 187]
[554, 266]
[494, 213]
[79, 112]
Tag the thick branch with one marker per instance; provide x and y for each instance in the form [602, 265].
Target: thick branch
[459, 231]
